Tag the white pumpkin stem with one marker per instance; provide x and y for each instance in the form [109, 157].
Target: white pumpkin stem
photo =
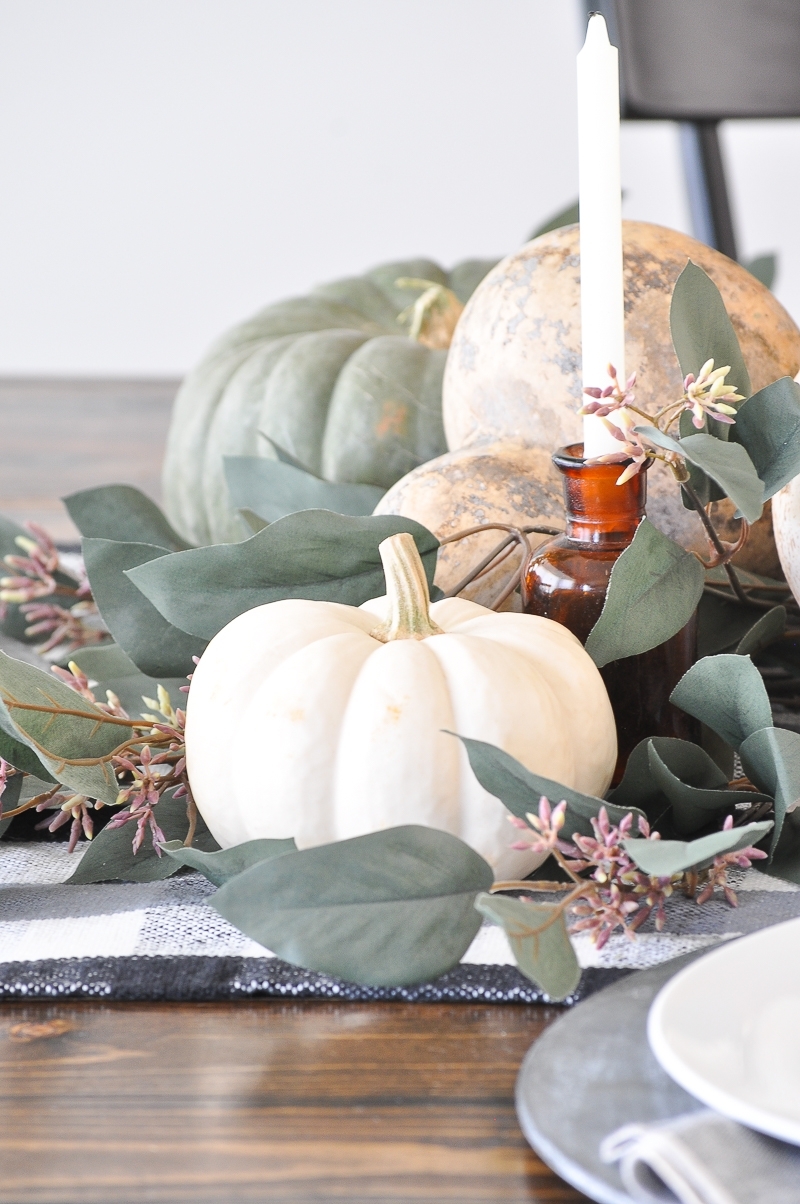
[407, 592]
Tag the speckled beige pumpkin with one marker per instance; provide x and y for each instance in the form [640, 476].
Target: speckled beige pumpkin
[513, 371]
[499, 484]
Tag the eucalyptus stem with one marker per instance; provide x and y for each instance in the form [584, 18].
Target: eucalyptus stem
[32, 802]
[736, 584]
[98, 716]
[498, 554]
[581, 886]
[675, 406]
[191, 815]
[531, 884]
[755, 602]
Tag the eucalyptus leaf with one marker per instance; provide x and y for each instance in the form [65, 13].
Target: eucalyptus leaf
[132, 691]
[706, 489]
[755, 581]
[771, 759]
[104, 661]
[155, 646]
[768, 424]
[638, 787]
[546, 957]
[770, 627]
[663, 769]
[565, 217]
[124, 514]
[225, 864]
[114, 670]
[726, 692]
[281, 454]
[764, 268]
[662, 858]
[785, 861]
[313, 554]
[10, 799]
[110, 856]
[252, 523]
[520, 790]
[723, 623]
[272, 489]
[17, 752]
[386, 909]
[702, 330]
[30, 786]
[653, 591]
[695, 805]
[719, 750]
[22, 788]
[62, 741]
[726, 463]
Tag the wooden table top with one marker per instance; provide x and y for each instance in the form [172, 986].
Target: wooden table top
[293, 1101]
[309, 1101]
[59, 436]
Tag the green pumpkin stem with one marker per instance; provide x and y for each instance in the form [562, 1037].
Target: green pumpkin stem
[407, 591]
[433, 316]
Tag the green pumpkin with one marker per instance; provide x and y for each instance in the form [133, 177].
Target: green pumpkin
[333, 378]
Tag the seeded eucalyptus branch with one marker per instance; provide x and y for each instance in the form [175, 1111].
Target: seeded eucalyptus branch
[147, 763]
[706, 397]
[609, 889]
[40, 576]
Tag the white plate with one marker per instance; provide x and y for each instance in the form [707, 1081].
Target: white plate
[727, 1029]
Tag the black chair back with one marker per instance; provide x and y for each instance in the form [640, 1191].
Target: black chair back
[700, 62]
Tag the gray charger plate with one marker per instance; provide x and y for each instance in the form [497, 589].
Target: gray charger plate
[593, 1071]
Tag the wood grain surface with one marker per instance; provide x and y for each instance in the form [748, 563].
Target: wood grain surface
[127, 1103]
[303, 1101]
[59, 436]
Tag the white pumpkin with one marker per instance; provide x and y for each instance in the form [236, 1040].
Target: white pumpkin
[323, 721]
[786, 523]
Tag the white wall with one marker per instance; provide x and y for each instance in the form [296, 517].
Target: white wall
[168, 166]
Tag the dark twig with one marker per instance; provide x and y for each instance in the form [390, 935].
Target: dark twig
[497, 555]
[33, 802]
[191, 815]
[483, 567]
[757, 603]
[716, 542]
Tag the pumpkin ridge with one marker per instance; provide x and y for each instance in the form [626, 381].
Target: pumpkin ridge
[203, 422]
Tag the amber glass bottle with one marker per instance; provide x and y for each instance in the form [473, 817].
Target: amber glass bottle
[566, 580]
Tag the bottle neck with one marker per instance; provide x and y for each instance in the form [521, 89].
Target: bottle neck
[598, 511]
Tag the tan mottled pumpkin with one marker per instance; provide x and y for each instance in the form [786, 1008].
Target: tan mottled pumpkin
[499, 484]
[513, 371]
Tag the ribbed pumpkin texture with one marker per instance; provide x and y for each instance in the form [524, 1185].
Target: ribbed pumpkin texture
[321, 721]
[332, 377]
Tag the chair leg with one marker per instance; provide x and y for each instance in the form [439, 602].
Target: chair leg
[709, 203]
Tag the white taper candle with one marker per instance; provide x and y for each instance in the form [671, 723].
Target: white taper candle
[602, 300]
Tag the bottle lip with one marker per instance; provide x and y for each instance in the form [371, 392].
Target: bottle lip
[571, 456]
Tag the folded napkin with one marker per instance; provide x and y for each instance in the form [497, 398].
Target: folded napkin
[703, 1158]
